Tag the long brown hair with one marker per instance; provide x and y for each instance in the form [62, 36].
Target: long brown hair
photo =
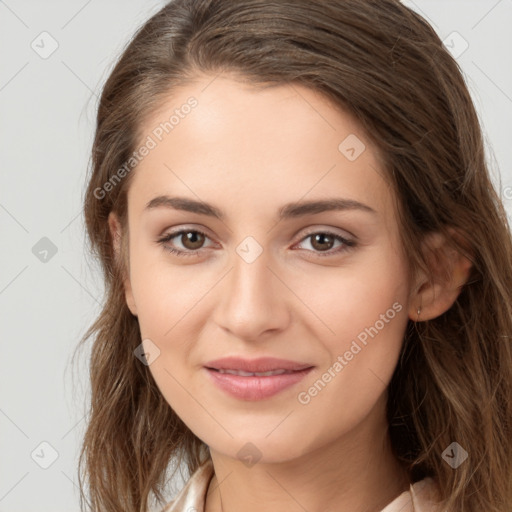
[386, 65]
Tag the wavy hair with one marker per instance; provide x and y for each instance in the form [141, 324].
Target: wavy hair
[386, 65]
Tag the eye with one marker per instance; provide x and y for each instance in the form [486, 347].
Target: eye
[191, 240]
[323, 241]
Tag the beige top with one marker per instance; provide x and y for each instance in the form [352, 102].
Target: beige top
[421, 496]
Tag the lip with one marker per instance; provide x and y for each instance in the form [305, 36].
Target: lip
[252, 388]
[262, 364]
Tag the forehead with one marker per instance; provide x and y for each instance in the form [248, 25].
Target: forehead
[220, 138]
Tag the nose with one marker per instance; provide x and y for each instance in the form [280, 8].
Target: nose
[253, 300]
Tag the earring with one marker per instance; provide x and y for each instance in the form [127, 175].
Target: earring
[419, 311]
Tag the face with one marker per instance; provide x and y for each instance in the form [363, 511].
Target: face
[322, 287]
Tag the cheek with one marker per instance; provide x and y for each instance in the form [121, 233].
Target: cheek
[367, 316]
[371, 289]
[164, 293]
[166, 297]
[359, 355]
[362, 358]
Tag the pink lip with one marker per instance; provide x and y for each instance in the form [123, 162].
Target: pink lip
[254, 387]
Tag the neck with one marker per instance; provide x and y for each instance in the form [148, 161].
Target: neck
[354, 473]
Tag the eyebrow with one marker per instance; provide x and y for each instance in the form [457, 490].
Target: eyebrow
[288, 211]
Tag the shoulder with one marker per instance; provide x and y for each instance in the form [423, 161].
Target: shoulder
[192, 496]
[426, 496]
[422, 496]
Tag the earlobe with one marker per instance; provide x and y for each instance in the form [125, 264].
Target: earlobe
[116, 237]
[450, 270]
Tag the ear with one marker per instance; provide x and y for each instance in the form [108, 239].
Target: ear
[116, 235]
[450, 271]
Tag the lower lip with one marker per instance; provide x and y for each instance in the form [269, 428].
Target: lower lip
[255, 388]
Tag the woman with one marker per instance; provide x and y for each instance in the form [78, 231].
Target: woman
[307, 268]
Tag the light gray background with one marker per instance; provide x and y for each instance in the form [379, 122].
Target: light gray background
[47, 111]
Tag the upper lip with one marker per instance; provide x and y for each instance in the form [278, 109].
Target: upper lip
[262, 364]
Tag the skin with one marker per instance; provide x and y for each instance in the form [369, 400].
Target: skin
[249, 151]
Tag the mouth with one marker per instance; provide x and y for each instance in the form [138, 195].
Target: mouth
[244, 384]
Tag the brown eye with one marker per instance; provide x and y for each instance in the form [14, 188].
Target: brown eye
[192, 239]
[322, 241]
[325, 243]
[185, 242]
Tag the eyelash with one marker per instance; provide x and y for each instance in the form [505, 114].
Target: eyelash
[347, 244]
